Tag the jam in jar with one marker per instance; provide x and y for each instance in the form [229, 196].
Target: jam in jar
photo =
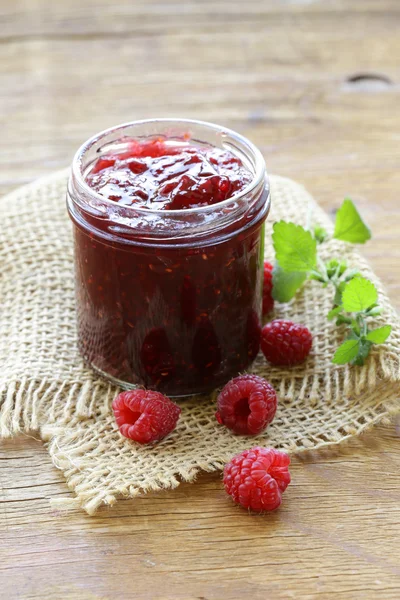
[168, 226]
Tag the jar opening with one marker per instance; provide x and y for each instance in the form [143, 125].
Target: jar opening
[148, 222]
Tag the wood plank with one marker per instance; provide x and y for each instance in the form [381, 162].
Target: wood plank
[282, 73]
[338, 531]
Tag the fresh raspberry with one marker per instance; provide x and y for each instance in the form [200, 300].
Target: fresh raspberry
[285, 343]
[247, 404]
[268, 301]
[257, 478]
[145, 416]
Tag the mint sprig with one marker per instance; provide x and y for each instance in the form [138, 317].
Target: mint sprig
[359, 300]
[355, 298]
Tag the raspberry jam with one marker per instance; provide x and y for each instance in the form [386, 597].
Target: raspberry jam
[168, 225]
[157, 174]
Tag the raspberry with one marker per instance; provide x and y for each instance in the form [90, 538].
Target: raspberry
[285, 343]
[268, 301]
[145, 416]
[247, 404]
[257, 478]
[104, 163]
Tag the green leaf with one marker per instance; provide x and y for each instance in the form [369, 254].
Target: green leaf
[349, 225]
[346, 352]
[362, 354]
[335, 268]
[334, 312]
[380, 335]
[375, 305]
[295, 248]
[286, 283]
[352, 335]
[320, 234]
[358, 295]
[316, 276]
[351, 274]
[332, 267]
[342, 319]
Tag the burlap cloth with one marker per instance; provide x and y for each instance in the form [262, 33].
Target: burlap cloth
[45, 386]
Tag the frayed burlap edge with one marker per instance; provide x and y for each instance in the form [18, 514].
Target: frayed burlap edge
[79, 458]
[25, 402]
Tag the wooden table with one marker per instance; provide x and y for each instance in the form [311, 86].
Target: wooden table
[315, 84]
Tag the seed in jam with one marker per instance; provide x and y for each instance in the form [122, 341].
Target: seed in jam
[161, 175]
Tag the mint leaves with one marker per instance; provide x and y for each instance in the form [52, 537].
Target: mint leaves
[354, 298]
[380, 335]
[296, 256]
[359, 299]
[358, 295]
[349, 226]
[346, 352]
[295, 247]
[286, 283]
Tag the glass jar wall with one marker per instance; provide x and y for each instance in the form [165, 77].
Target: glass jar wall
[169, 299]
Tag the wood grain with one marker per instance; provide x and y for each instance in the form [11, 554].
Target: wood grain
[285, 74]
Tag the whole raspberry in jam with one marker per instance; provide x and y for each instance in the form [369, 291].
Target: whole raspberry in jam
[145, 416]
[268, 301]
[257, 478]
[246, 405]
[285, 343]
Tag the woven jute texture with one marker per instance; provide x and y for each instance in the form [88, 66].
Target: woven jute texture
[46, 387]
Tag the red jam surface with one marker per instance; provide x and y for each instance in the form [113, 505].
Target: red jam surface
[159, 175]
[175, 317]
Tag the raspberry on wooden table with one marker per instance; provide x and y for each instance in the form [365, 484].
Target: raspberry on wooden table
[144, 415]
[285, 343]
[246, 405]
[268, 301]
[257, 478]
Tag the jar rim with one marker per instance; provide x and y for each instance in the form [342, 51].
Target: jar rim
[258, 178]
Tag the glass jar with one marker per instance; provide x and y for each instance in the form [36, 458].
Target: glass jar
[169, 299]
